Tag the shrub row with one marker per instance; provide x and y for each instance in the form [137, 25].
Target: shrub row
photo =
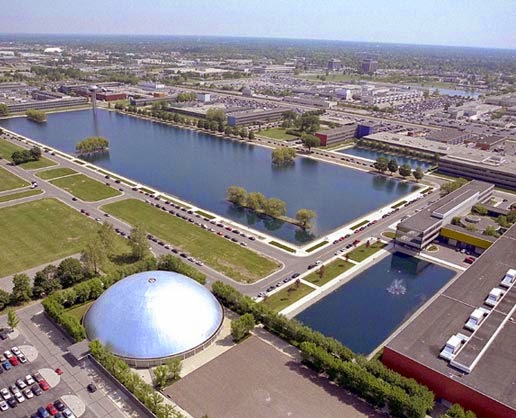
[370, 379]
[135, 384]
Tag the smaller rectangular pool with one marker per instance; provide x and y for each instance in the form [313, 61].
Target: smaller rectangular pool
[362, 313]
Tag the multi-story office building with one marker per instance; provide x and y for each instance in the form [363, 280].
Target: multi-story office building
[369, 66]
[254, 116]
[419, 230]
[334, 65]
[47, 104]
[343, 133]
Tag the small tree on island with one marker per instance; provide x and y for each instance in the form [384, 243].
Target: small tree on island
[256, 201]
[283, 156]
[275, 207]
[92, 144]
[36, 115]
[304, 217]
[237, 195]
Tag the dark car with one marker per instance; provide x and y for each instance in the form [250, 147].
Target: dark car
[60, 406]
[36, 390]
[91, 388]
[295, 275]
[12, 402]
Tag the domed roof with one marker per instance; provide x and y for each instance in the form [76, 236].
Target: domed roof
[153, 314]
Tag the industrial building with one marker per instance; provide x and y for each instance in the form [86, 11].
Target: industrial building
[368, 66]
[450, 136]
[345, 132]
[152, 316]
[47, 104]
[391, 97]
[419, 230]
[249, 117]
[462, 345]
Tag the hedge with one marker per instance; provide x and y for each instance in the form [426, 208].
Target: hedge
[370, 380]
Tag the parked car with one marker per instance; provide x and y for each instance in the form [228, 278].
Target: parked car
[51, 409]
[29, 379]
[43, 413]
[28, 393]
[36, 390]
[60, 406]
[44, 385]
[14, 361]
[5, 393]
[91, 387]
[3, 406]
[59, 371]
[68, 414]
[22, 359]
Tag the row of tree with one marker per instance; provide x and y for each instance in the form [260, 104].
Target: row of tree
[370, 379]
[26, 155]
[92, 145]
[383, 164]
[380, 146]
[273, 207]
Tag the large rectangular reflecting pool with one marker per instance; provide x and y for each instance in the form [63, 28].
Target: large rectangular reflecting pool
[199, 167]
[365, 311]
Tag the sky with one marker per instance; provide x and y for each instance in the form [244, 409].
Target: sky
[480, 23]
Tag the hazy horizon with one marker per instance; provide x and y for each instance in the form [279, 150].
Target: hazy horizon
[461, 23]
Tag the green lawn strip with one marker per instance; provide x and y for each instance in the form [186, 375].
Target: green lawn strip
[279, 134]
[9, 181]
[397, 205]
[389, 234]
[20, 195]
[287, 296]
[144, 190]
[85, 188]
[55, 172]
[204, 214]
[233, 260]
[428, 189]
[358, 225]
[79, 310]
[39, 232]
[331, 271]
[362, 252]
[283, 247]
[7, 148]
[316, 246]
[130, 183]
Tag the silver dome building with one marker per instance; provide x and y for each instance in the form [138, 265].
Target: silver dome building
[149, 317]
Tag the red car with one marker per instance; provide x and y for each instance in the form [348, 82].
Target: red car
[469, 260]
[44, 385]
[14, 361]
[51, 409]
[59, 371]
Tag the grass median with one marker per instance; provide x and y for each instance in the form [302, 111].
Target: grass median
[361, 253]
[233, 260]
[287, 296]
[55, 173]
[9, 181]
[85, 188]
[20, 195]
[39, 232]
[329, 272]
[7, 148]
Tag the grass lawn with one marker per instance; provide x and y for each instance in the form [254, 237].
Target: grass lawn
[331, 271]
[316, 246]
[85, 188]
[287, 296]
[79, 310]
[55, 173]
[358, 225]
[389, 234]
[233, 260]
[39, 232]
[20, 195]
[283, 247]
[7, 148]
[204, 214]
[362, 252]
[279, 134]
[9, 181]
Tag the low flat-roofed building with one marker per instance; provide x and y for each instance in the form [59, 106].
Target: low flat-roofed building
[449, 136]
[47, 104]
[487, 142]
[253, 116]
[343, 133]
[420, 229]
[481, 374]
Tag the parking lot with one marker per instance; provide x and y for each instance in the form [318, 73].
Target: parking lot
[28, 383]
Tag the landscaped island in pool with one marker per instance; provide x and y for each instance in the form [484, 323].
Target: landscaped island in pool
[365, 311]
[199, 167]
[371, 154]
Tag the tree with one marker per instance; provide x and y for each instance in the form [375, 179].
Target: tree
[491, 231]
[275, 207]
[405, 170]
[452, 186]
[138, 243]
[12, 319]
[161, 376]
[35, 153]
[243, 133]
[36, 115]
[174, 368]
[4, 109]
[502, 221]
[308, 122]
[46, 282]
[107, 237]
[381, 164]
[70, 272]
[251, 135]
[480, 209]
[282, 156]
[92, 145]
[304, 217]
[310, 141]
[289, 117]
[217, 115]
[256, 201]
[93, 255]
[5, 298]
[237, 195]
[418, 173]
[22, 291]
[241, 327]
[392, 165]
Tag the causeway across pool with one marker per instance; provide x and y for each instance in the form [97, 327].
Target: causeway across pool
[199, 167]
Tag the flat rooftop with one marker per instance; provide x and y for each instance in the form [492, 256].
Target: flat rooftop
[490, 350]
[254, 379]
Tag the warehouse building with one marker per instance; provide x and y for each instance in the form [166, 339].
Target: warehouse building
[449, 136]
[462, 345]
